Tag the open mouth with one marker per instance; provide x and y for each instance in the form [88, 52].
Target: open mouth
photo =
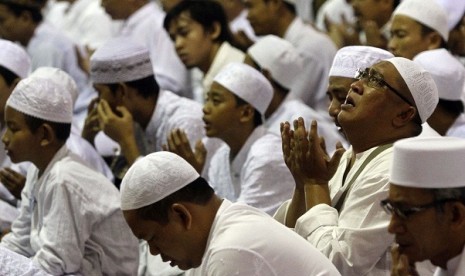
[348, 103]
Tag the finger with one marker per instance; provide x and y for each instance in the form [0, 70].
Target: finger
[124, 111]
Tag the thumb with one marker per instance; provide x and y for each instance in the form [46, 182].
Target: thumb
[124, 111]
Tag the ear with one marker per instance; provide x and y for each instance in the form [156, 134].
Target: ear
[405, 116]
[457, 219]
[47, 135]
[434, 39]
[247, 113]
[214, 31]
[182, 215]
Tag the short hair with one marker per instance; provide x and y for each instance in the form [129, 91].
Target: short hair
[257, 117]
[8, 75]
[33, 8]
[62, 130]
[147, 87]
[453, 107]
[198, 192]
[425, 30]
[448, 194]
[206, 13]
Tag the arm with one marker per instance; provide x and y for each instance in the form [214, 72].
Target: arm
[225, 262]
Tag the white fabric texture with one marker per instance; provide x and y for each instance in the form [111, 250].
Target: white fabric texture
[245, 241]
[279, 57]
[154, 177]
[318, 51]
[60, 77]
[14, 58]
[335, 11]
[42, 98]
[447, 72]
[145, 26]
[246, 83]
[356, 240]
[455, 267]
[257, 176]
[457, 129]
[427, 12]
[428, 131]
[415, 163]
[455, 10]
[420, 83]
[71, 222]
[351, 58]
[12, 263]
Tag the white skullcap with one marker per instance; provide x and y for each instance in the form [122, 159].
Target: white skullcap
[279, 57]
[455, 11]
[14, 58]
[428, 162]
[426, 12]
[60, 77]
[448, 73]
[120, 60]
[154, 177]
[246, 83]
[348, 59]
[42, 98]
[420, 83]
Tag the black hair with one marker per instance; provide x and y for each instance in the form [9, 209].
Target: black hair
[197, 192]
[147, 87]
[206, 13]
[62, 130]
[453, 107]
[425, 30]
[257, 117]
[34, 8]
[8, 76]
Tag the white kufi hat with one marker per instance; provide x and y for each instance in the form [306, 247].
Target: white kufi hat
[60, 77]
[14, 58]
[154, 177]
[420, 83]
[429, 162]
[455, 11]
[247, 83]
[279, 57]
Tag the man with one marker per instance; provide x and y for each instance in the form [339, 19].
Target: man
[426, 203]
[168, 204]
[249, 167]
[456, 23]
[278, 17]
[417, 26]
[448, 73]
[333, 202]
[70, 220]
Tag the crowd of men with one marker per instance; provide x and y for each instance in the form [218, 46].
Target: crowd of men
[232, 137]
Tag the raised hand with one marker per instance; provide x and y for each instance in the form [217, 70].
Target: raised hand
[178, 143]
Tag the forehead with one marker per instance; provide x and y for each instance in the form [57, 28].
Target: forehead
[139, 227]
[409, 195]
[404, 22]
[218, 90]
[4, 10]
[340, 82]
[14, 116]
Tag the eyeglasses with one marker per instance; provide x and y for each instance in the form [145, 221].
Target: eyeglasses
[404, 212]
[375, 80]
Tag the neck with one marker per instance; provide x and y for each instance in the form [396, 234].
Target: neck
[237, 141]
[144, 111]
[207, 64]
[46, 156]
[28, 34]
[283, 23]
[441, 120]
[278, 98]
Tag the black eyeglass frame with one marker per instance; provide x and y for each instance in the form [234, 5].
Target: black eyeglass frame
[407, 211]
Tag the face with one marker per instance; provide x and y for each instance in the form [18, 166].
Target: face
[366, 10]
[166, 240]
[337, 92]
[193, 44]
[456, 42]
[105, 93]
[168, 5]
[10, 25]
[5, 91]
[221, 113]
[116, 9]
[260, 15]
[406, 38]
[20, 143]
[422, 235]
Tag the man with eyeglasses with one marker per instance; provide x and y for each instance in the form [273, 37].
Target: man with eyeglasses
[334, 205]
[427, 205]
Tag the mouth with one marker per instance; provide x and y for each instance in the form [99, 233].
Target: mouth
[348, 103]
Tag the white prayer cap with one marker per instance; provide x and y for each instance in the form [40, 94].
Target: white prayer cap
[246, 83]
[14, 58]
[120, 60]
[426, 12]
[455, 11]
[420, 83]
[279, 57]
[448, 73]
[42, 98]
[348, 59]
[60, 77]
[154, 177]
[428, 162]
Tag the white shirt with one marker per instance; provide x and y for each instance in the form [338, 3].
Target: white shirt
[458, 127]
[455, 267]
[257, 176]
[71, 221]
[241, 23]
[145, 26]
[335, 11]
[319, 51]
[246, 241]
[428, 131]
[14, 264]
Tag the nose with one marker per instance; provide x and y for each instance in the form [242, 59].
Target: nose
[206, 108]
[334, 107]
[392, 45]
[178, 43]
[356, 87]
[395, 225]
[5, 139]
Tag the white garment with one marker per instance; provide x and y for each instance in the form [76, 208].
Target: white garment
[318, 51]
[455, 267]
[85, 22]
[291, 110]
[257, 176]
[335, 11]
[71, 222]
[14, 264]
[356, 240]
[241, 23]
[145, 26]
[457, 129]
[428, 131]
[246, 241]
[304, 9]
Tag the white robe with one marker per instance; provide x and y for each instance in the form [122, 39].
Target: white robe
[455, 267]
[14, 264]
[458, 127]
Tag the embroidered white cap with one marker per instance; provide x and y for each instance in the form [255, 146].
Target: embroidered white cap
[279, 57]
[455, 11]
[14, 58]
[246, 83]
[420, 83]
[348, 59]
[120, 60]
[428, 162]
[154, 177]
[60, 77]
[42, 98]
[427, 12]
[448, 73]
